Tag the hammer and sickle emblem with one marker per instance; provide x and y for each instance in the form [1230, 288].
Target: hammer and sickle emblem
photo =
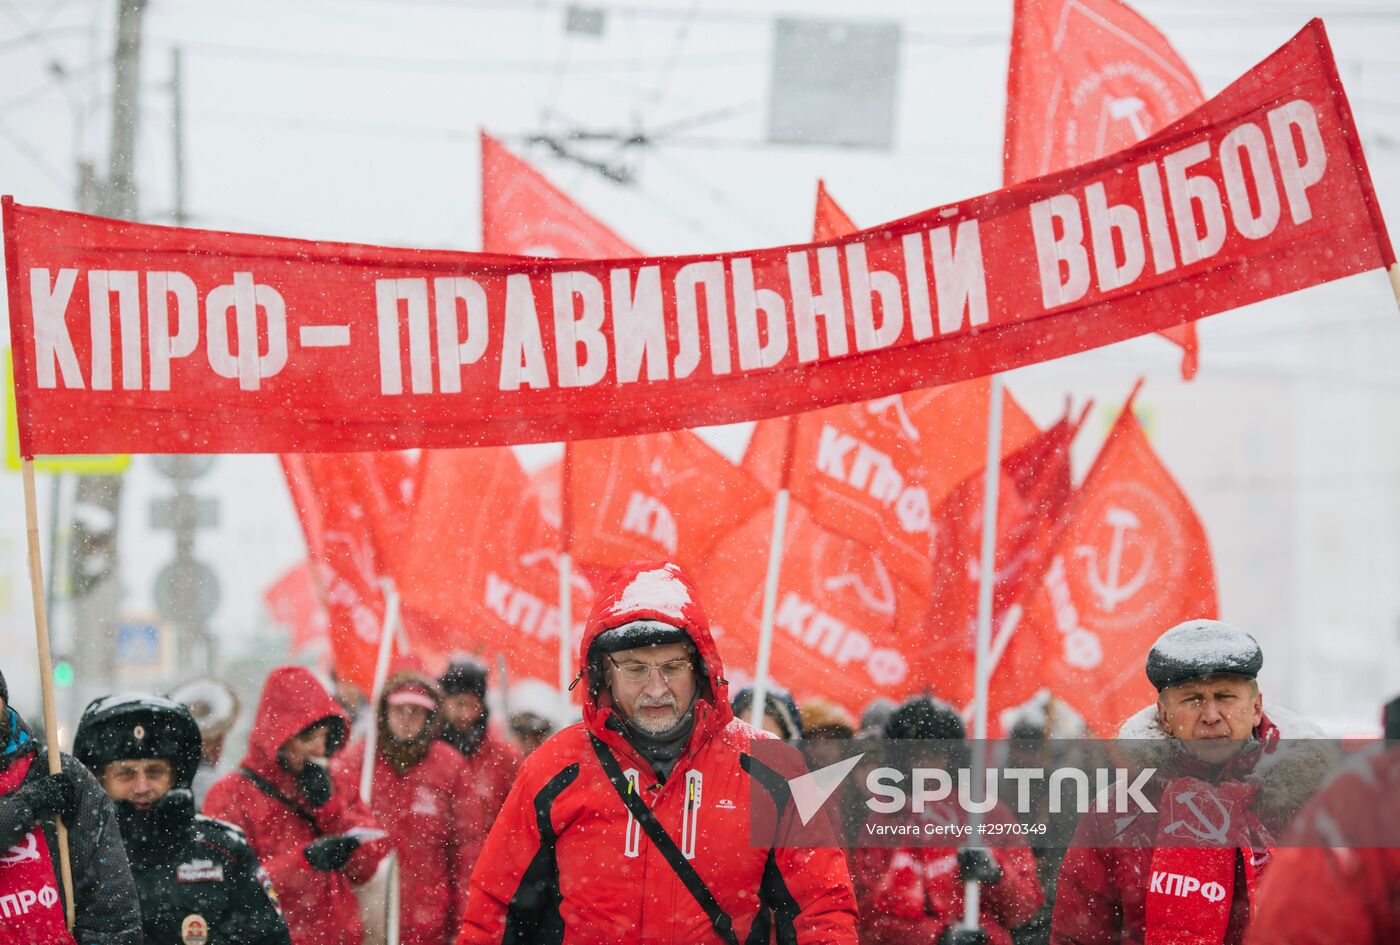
[24, 852]
[1109, 588]
[1203, 828]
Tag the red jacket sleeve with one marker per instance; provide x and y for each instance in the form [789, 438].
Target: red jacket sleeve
[1018, 896]
[509, 851]
[346, 813]
[229, 800]
[1087, 906]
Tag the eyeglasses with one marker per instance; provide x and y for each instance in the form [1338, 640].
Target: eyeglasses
[671, 670]
[125, 773]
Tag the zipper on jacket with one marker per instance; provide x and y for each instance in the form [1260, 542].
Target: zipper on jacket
[690, 821]
[632, 844]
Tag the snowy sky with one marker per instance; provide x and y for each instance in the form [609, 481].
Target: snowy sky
[357, 120]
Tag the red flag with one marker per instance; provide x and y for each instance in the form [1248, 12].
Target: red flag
[874, 471]
[293, 601]
[1032, 497]
[845, 627]
[1132, 562]
[523, 214]
[660, 496]
[1087, 78]
[481, 566]
[831, 221]
[339, 498]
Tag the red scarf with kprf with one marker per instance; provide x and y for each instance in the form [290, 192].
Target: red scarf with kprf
[31, 910]
[1203, 829]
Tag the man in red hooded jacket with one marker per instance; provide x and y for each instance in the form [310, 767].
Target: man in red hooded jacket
[310, 831]
[1166, 877]
[426, 799]
[569, 860]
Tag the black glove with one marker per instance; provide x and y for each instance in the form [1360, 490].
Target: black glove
[315, 783]
[961, 936]
[330, 853]
[979, 864]
[52, 794]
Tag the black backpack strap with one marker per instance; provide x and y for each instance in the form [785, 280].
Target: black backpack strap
[270, 789]
[664, 844]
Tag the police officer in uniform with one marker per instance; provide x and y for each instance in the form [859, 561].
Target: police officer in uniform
[198, 880]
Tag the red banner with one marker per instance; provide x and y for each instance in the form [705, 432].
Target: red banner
[845, 628]
[481, 567]
[1087, 78]
[340, 501]
[1032, 498]
[1132, 562]
[294, 602]
[665, 496]
[875, 471]
[131, 338]
[830, 221]
[523, 214]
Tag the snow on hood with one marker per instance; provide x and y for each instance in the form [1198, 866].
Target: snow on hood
[292, 700]
[657, 590]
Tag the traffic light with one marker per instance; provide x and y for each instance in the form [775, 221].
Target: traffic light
[63, 674]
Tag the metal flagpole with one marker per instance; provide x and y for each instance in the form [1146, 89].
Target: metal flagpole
[990, 487]
[381, 673]
[41, 639]
[770, 581]
[566, 607]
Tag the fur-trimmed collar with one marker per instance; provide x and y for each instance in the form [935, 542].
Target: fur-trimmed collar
[1286, 776]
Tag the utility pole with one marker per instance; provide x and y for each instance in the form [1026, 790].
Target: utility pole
[94, 566]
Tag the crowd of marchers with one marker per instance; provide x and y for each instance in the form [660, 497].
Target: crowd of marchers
[633, 825]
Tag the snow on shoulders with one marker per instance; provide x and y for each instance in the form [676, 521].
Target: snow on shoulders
[660, 590]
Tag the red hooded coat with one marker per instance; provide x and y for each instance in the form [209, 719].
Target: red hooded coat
[561, 865]
[437, 813]
[320, 907]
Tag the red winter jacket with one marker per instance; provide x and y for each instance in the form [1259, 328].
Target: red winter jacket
[1102, 891]
[320, 907]
[437, 813]
[562, 866]
[911, 895]
[488, 773]
[1326, 884]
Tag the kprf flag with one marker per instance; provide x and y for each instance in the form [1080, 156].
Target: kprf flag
[663, 496]
[294, 602]
[846, 627]
[1088, 78]
[830, 221]
[481, 566]
[1133, 561]
[522, 213]
[131, 338]
[350, 507]
[875, 471]
[1032, 497]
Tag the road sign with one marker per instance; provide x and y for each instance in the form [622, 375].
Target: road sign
[187, 592]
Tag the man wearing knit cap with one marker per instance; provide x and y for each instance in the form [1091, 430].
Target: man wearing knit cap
[1206, 737]
[633, 825]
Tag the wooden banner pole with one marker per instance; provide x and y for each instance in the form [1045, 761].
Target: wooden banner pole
[41, 639]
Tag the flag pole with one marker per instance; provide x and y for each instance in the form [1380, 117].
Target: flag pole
[41, 639]
[566, 562]
[381, 673]
[1394, 272]
[982, 674]
[770, 581]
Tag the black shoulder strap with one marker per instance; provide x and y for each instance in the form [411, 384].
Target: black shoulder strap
[270, 789]
[667, 847]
